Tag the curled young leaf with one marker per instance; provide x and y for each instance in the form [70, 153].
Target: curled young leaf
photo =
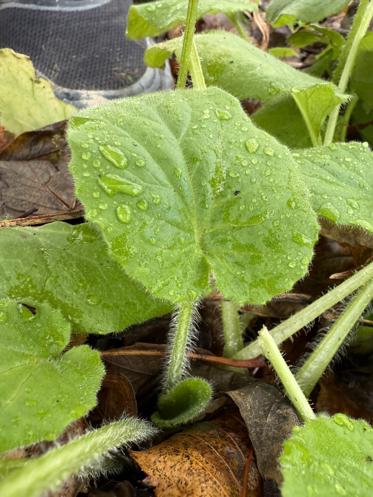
[183, 403]
[193, 190]
[155, 18]
[42, 389]
[92, 291]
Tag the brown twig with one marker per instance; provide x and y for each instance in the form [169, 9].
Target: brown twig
[212, 359]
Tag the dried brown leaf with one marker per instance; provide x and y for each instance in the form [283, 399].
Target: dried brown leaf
[207, 460]
[269, 419]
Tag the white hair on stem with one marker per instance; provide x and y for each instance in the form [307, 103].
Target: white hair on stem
[181, 340]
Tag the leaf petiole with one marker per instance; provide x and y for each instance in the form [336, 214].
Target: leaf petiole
[296, 322]
[312, 370]
[186, 52]
[360, 26]
[293, 390]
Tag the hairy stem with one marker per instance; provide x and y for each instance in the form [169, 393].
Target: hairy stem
[233, 341]
[186, 52]
[359, 28]
[314, 367]
[196, 69]
[293, 390]
[84, 453]
[296, 322]
[179, 341]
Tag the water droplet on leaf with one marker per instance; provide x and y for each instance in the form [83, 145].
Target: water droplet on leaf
[112, 184]
[114, 155]
[123, 212]
[252, 145]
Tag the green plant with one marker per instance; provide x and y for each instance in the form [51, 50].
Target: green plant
[184, 194]
[88, 455]
[336, 450]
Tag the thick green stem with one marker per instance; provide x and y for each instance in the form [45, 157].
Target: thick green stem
[293, 390]
[196, 69]
[233, 341]
[186, 51]
[50, 470]
[296, 322]
[359, 28]
[314, 367]
[180, 338]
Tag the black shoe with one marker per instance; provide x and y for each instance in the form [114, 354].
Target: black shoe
[81, 47]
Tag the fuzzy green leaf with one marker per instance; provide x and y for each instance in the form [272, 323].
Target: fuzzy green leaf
[27, 102]
[193, 190]
[238, 67]
[282, 12]
[86, 454]
[362, 75]
[69, 267]
[155, 18]
[328, 457]
[42, 390]
[340, 178]
[247, 72]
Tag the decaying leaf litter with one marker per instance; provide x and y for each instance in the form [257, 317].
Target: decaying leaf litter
[232, 447]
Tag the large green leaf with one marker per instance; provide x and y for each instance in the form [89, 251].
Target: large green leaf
[328, 457]
[237, 66]
[340, 178]
[247, 72]
[27, 102]
[155, 18]
[282, 12]
[42, 390]
[362, 75]
[70, 268]
[193, 190]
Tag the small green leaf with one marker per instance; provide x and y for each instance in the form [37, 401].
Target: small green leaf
[282, 12]
[42, 390]
[305, 115]
[183, 403]
[328, 457]
[340, 179]
[155, 18]
[70, 268]
[315, 104]
[247, 72]
[205, 194]
[362, 74]
[27, 102]
[282, 52]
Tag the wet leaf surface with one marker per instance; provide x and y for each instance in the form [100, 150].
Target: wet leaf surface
[229, 192]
